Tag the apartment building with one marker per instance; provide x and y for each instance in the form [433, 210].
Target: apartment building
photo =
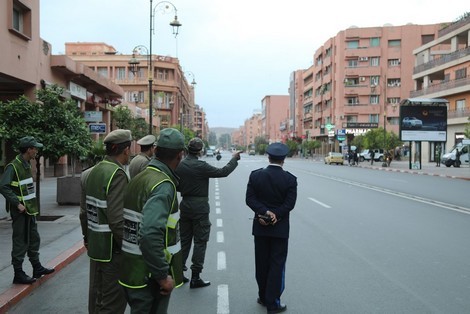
[172, 96]
[358, 79]
[442, 70]
[296, 91]
[274, 114]
[27, 65]
[251, 130]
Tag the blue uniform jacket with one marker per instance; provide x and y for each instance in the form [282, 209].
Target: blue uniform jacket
[274, 189]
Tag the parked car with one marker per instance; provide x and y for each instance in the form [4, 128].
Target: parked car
[378, 155]
[251, 152]
[334, 158]
[210, 153]
[411, 123]
[449, 158]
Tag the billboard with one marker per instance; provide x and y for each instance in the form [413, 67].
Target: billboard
[423, 120]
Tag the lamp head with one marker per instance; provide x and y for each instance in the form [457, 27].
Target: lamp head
[176, 25]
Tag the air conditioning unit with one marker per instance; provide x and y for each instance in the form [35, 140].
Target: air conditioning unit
[363, 58]
[362, 78]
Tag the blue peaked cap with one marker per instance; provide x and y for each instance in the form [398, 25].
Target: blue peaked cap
[277, 151]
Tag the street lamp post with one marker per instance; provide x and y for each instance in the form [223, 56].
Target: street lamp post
[163, 5]
[133, 63]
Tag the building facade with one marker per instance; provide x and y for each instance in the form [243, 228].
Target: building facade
[27, 65]
[274, 117]
[358, 79]
[442, 70]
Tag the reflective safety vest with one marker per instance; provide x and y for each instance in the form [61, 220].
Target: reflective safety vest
[23, 187]
[134, 271]
[99, 235]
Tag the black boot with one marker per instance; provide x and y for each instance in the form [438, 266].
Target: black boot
[197, 282]
[21, 278]
[39, 270]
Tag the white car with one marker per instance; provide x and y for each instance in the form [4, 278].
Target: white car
[411, 122]
[210, 153]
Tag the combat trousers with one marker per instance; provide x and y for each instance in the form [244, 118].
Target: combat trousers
[195, 227]
[105, 294]
[25, 239]
[147, 300]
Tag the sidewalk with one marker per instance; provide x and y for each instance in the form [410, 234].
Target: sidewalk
[61, 239]
[427, 168]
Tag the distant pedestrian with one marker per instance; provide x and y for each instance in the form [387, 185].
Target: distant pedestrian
[457, 158]
[140, 162]
[17, 186]
[356, 158]
[104, 189]
[372, 156]
[438, 155]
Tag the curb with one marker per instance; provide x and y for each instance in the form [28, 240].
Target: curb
[17, 292]
[416, 172]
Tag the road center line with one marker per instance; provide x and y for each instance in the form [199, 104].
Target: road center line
[319, 203]
[222, 299]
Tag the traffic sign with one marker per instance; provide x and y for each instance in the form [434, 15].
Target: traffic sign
[329, 126]
[97, 128]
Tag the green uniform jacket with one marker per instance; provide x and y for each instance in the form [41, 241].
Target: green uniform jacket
[16, 185]
[194, 182]
[138, 163]
[104, 200]
[151, 244]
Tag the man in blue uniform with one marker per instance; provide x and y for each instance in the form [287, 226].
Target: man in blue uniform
[271, 193]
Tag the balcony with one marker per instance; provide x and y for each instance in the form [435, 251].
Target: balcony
[442, 60]
[442, 87]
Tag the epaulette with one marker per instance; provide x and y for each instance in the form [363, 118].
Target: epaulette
[291, 174]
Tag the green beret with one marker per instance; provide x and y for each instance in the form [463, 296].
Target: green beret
[171, 138]
[29, 141]
[147, 140]
[118, 136]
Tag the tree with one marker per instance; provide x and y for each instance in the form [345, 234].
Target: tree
[375, 139]
[54, 121]
[292, 147]
[260, 144]
[124, 118]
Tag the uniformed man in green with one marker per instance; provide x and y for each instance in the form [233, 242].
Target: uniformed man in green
[104, 188]
[147, 149]
[152, 264]
[17, 186]
[194, 188]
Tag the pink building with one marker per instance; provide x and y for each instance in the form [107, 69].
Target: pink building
[27, 65]
[274, 113]
[358, 79]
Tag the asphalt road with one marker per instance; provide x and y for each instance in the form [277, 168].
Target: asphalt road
[362, 241]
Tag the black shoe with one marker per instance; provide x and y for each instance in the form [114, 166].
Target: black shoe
[23, 279]
[185, 279]
[41, 270]
[279, 309]
[198, 283]
[259, 301]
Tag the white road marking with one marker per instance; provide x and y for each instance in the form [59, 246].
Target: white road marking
[217, 203]
[319, 203]
[221, 261]
[220, 223]
[222, 299]
[220, 237]
[217, 197]
[218, 211]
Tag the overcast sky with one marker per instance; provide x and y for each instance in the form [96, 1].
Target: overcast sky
[239, 51]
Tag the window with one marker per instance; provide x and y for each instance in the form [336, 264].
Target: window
[394, 82]
[352, 101]
[120, 73]
[426, 39]
[162, 75]
[352, 63]
[374, 61]
[375, 42]
[394, 43]
[20, 20]
[374, 99]
[461, 73]
[460, 105]
[374, 80]
[393, 100]
[374, 118]
[393, 62]
[352, 44]
[102, 71]
[351, 118]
